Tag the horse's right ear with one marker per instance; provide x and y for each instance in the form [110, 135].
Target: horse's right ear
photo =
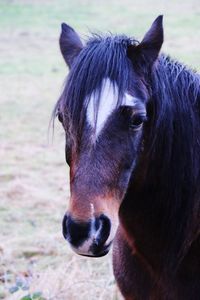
[70, 44]
[151, 44]
[153, 40]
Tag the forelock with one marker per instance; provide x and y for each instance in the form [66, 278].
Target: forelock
[102, 58]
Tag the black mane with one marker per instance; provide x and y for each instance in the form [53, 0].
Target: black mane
[170, 195]
[177, 147]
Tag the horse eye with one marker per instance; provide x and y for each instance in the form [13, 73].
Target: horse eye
[137, 121]
[60, 117]
[68, 150]
[67, 154]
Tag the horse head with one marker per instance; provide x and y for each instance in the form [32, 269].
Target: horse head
[104, 112]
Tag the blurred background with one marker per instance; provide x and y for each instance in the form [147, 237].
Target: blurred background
[35, 261]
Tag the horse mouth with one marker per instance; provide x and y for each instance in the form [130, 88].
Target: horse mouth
[101, 254]
[96, 251]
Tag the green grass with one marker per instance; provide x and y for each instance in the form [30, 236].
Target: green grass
[33, 176]
[32, 29]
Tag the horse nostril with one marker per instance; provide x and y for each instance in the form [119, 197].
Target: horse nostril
[87, 237]
[75, 232]
[102, 227]
[64, 226]
[104, 230]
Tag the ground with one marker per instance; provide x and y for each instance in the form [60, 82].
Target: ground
[34, 190]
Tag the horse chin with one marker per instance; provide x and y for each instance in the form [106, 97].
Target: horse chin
[101, 254]
[94, 251]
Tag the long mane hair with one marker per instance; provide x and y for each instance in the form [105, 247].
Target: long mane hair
[170, 190]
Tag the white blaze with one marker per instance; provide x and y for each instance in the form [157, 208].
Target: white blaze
[107, 104]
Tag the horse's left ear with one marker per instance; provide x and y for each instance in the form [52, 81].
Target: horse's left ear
[151, 44]
[70, 44]
[153, 40]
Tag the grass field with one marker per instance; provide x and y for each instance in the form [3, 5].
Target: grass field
[34, 191]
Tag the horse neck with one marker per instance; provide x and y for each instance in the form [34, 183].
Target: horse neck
[174, 139]
[164, 191]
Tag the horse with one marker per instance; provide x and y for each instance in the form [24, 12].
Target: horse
[131, 117]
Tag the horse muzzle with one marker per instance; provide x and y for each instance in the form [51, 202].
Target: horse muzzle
[92, 238]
